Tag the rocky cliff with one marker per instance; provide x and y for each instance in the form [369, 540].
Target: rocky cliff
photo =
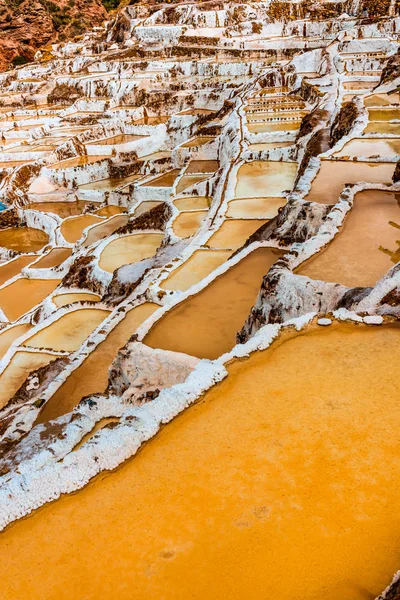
[26, 26]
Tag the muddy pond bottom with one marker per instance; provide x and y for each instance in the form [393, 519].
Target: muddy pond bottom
[225, 495]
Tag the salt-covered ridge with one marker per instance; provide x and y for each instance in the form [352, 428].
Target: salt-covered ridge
[148, 164]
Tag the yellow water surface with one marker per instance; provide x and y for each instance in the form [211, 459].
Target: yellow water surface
[282, 482]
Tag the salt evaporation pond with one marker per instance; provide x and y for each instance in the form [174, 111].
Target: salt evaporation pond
[105, 229]
[64, 299]
[129, 249]
[383, 127]
[21, 364]
[12, 268]
[145, 206]
[192, 203]
[72, 228]
[62, 209]
[54, 258]
[296, 481]
[370, 147]
[234, 232]
[10, 335]
[69, 331]
[23, 239]
[264, 178]
[360, 253]
[198, 266]
[92, 375]
[205, 325]
[333, 176]
[187, 223]
[255, 207]
[19, 297]
[110, 211]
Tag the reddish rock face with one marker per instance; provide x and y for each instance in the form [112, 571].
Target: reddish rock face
[26, 26]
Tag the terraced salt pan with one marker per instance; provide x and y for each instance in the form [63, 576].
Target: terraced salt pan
[80, 161]
[205, 325]
[14, 267]
[192, 203]
[199, 265]
[383, 114]
[370, 147]
[23, 239]
[108, 185]
[92, 375]
[145, 206]
[21, 364]
[62, 209]
[264, 178]
[165, 180]
[19, 297]
[271, 127]
[72, 229]
[202, 166]
[266, 146]
[255, 207]
[333, 176]
[64, 299]
[198, 141]
[318, 492]
[110, 211]
[54, 258]
[105, 229]
[365, 247]
[382, 100]
[10, 335]
[69, 331]
[187, 223]
[233, 233]
[383, 127]
[129, 249]
[189, 180]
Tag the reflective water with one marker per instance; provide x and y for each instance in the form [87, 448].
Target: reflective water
[69, 331]
[234, 232]
[255, 207]
[187, 223]
[199, 265]
[371, 147]
[64, 299]
[129, 249]
[333, 176]
[72, 228]
[264, 178]
[54, 258]
[105, 229]
[23, 294]
[205, 325]
[62, 209]
[192, 203]
[23, 239]
[14, 267]
[10, 335]
[362, 250]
